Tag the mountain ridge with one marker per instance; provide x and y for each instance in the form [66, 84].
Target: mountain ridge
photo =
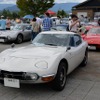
[3, 6]
[58, 6]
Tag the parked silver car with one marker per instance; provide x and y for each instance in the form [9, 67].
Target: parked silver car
[18, 33]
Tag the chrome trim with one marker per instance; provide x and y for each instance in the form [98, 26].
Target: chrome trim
[48, 75]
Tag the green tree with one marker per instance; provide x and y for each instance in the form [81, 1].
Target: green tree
[62, 13]
[35, 7]
[4, 13]
[15, 15]
[7, 13]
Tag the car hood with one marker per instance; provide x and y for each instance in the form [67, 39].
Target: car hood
[7, 33]
[92, 38]
[30, 52]
[24, 59]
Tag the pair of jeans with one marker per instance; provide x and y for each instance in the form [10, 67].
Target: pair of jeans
[34, 34]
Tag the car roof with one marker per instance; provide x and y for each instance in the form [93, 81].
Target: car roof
[57, 32]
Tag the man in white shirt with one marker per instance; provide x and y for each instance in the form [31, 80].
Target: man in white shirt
[74, 23]
[58, 20]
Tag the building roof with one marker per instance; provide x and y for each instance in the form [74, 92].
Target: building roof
[50, 12]
[89, 3]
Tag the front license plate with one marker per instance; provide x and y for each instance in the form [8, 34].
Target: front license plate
[11, 82]
[92, 47]
[1, 40]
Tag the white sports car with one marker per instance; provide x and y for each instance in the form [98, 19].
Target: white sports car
[50, 58]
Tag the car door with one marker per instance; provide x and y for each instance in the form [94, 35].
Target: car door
[79, 47]
[76, 51]
[27, 32]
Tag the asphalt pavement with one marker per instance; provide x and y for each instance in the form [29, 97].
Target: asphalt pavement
[82, 84]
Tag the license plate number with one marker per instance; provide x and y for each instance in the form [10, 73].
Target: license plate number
[9, 82]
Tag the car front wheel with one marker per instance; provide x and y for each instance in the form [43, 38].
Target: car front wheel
[85, 60]
[19, 39]
[60, 80]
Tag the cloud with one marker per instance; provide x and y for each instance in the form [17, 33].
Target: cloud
[7, 1]
[57, 1]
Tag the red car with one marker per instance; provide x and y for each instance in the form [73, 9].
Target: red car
[87, 28]
[93, 37]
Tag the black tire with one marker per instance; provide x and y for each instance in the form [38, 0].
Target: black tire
[19, 39]
[85, 60]
[97, 49]
[59, 82]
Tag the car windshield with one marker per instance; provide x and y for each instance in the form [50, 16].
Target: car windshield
[17, 27]
[65, 20]
[51, 39]
[92, 23]
[94, 30]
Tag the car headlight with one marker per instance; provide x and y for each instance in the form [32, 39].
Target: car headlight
[42, 65]
[31, 76]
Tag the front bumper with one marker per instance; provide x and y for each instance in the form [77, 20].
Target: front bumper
[5, 39]
[23, 77]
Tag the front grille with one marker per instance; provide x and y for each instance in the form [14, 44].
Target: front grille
[15, 75]
[3, 38]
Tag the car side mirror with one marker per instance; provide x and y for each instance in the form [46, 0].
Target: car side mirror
[12, 45]
[68, 48]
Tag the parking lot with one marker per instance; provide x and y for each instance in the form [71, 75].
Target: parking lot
[82, 84]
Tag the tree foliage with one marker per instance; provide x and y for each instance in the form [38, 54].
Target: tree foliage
[35, 7]
[62, 13]
[7, 13]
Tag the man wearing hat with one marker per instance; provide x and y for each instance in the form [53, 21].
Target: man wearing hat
[2, 23]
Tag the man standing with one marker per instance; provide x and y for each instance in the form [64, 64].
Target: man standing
[2, 23]
[74, 23]
[39, 21]
[47, 22]
[58, 20]
[35, 28]
[8, 23]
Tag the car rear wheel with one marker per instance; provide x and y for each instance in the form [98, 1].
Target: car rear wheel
[19, 39]
[60, 80]
[85, 60]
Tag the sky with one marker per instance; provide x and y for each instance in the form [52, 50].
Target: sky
[57, 1]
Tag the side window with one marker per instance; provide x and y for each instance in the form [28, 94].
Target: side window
[28, 27]
[72, 43]
[77, 40]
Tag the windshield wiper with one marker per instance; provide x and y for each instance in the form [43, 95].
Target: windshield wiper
[51, 44]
